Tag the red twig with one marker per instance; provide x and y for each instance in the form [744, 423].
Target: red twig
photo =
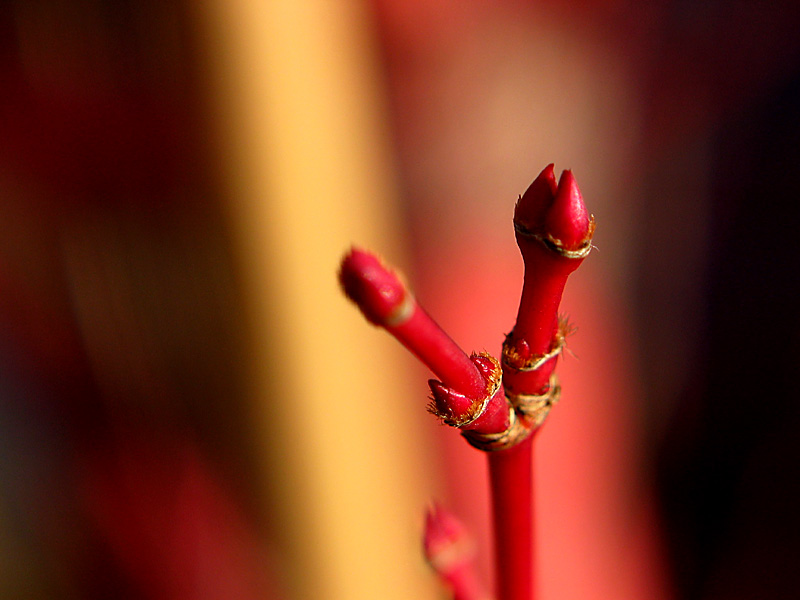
[467, 383]
[511, 479]
[553, 231]
[386, 301]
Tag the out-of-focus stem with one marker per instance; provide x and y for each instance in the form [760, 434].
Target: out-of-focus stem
[451, 553]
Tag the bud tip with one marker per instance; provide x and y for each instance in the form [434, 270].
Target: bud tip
[531, 208]
[568, 223]
[443, 531]
[376, 289]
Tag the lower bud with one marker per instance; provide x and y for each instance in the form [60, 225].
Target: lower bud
[457, 410]
[446, 542]
[453, 408]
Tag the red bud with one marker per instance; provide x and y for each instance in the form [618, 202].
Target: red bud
[529, 214]
[442, 531]
[376, 289]
[450, 404]
[568, 223]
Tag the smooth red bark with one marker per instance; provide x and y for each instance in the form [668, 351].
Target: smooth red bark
[511, 476]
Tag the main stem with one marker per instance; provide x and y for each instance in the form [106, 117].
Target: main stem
[511, 475]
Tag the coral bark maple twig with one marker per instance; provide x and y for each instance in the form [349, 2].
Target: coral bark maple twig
[498, 406]
[553, 231]
[467, 383]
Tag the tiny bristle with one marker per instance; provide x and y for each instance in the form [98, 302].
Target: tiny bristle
[566, 328]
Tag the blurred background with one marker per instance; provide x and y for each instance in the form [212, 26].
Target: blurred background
[190, 409]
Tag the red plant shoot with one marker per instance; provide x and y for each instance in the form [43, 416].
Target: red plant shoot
[468, 386]
[497, 405]
[553, 231]
[386, 301]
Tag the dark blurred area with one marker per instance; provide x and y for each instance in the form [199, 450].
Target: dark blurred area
[122, 428]
[729, 461]
[130, 461]
[717, 286]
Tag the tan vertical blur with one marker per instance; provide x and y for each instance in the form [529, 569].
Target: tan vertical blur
[305, 160]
